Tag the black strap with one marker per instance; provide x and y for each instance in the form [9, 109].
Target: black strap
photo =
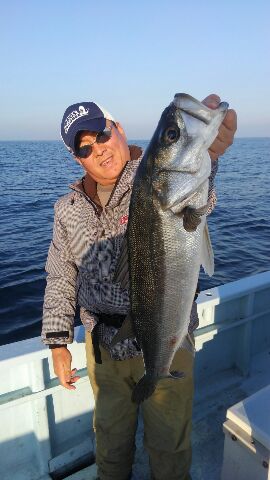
[95, 342]
[114, 320]
[57, 345]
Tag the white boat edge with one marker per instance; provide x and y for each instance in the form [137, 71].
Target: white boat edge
[50, 428]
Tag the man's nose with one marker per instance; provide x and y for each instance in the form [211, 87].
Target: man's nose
[99, 148]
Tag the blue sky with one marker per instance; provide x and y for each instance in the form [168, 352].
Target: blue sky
[131, 57]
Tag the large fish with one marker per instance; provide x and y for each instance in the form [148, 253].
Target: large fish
[167, 236]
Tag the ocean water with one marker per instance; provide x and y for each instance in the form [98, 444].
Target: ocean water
[35, 174]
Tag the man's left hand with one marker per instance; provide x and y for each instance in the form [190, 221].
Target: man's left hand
[226, 130]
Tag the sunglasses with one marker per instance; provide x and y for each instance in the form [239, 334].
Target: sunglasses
[101, 137]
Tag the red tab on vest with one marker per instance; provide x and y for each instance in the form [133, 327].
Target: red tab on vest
[123, 219]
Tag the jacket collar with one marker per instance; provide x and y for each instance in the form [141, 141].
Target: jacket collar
[124, 181]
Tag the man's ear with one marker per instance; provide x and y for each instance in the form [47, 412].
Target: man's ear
[121, 130]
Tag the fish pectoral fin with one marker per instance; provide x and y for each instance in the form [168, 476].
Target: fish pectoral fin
[125, 331]
[207, 254]
[121, 273]
[191, 217]
[147, 385]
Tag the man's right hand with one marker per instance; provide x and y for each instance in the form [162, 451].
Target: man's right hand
[62, 367]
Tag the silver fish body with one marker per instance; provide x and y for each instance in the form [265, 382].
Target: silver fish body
[165, 258]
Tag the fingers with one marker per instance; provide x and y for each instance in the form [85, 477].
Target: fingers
[226, 130]
[225, 135]
[212, 101]
[230, 121]
[62, 368]
[69, 378]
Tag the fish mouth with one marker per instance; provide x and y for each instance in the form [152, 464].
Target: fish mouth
[196, 109]
[180, 203]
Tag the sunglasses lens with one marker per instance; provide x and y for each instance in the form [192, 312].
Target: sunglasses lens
[84, 152]
[104, 136]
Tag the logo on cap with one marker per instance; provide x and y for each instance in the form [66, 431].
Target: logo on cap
[81, 112]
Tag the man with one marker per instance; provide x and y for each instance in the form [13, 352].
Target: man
[90, 223]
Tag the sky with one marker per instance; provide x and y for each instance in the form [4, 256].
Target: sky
[131, 57]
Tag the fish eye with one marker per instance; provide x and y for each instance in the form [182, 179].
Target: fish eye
[171, 134]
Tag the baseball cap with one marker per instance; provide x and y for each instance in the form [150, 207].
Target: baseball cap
[80, 117]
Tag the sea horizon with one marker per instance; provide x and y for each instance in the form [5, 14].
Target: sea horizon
[33, 178]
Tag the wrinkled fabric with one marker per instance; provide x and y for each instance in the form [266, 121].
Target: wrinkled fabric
[82, 260]
[167, 417]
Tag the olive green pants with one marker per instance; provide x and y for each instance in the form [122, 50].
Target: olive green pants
[166, 415]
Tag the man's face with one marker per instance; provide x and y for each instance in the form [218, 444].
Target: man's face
[108, 159]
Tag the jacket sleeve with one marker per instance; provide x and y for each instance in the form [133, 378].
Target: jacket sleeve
[212, 197]
[60, 293]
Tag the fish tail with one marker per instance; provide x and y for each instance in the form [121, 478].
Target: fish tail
[147, 385]
[143, 389]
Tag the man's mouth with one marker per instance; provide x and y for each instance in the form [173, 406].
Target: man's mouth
[107, 162]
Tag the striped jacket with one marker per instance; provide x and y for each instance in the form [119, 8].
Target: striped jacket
[82, 260]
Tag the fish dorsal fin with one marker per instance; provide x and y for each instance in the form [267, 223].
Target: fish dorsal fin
[125, 331]
[122, 273]
[207, 254]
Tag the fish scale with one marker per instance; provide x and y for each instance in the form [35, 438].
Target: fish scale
[168, 269]
[171, 184]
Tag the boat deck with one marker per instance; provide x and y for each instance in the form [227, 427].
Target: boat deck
[211, 403]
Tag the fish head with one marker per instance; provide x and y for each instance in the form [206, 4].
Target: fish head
[201, 122]
[169, 138]
[182, 164]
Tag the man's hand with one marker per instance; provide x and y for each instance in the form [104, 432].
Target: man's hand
[62, 367]
[226, 130]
